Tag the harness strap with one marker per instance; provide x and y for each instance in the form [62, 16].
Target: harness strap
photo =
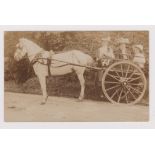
[49, 61]
[39, 56]
[49, 65]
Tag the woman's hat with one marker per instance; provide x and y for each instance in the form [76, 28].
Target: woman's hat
[139, 46]
[123, 41]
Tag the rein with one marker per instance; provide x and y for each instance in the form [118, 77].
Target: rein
[35, 60]
[50, 59]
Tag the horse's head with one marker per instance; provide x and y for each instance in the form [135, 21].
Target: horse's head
[26, 47]
[21, 51]
[19, 54]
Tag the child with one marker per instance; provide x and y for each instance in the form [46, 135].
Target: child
[139, 57]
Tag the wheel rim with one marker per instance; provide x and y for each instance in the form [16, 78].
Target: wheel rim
[124, 82]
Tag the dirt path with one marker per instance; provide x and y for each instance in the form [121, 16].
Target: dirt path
[27, 108]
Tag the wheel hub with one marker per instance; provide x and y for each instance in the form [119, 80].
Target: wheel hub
[123, 81]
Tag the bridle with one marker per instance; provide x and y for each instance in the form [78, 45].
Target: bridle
[38, 59]
[35, 59]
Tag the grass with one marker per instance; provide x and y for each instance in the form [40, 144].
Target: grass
[67, 86]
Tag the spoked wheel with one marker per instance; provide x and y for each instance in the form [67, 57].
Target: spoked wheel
[124, 82]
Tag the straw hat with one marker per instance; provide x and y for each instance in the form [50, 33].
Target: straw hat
[139, 46]
[123, 41]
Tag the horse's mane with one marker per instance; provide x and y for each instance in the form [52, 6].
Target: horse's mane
[30, 45]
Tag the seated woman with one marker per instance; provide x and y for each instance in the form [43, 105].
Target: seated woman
[104, 56]
[122, 52]
[105, 53]
[139, 57]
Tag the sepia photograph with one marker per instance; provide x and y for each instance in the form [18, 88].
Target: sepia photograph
[76, 76]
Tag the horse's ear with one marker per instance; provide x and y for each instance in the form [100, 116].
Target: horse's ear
[17, 45]
[20, 39]
[20, 44]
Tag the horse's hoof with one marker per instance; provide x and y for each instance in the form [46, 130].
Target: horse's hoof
[79, 100]
[42, 103]
[46, 97]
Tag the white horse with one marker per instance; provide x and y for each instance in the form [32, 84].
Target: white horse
[62, 63]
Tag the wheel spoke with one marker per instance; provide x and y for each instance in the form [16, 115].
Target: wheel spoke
[114, 93]
[131, 93]
[131, 74]
[113, 77]
[127, 71]
[110, 82]
[126, 94]
[117, 73]
[126, 97]
[138, 92]
[122, 70]
[135, 84]
[120, 95]
[112, 87]
[133, 79]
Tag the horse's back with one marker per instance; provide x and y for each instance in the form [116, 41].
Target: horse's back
[84, 58]
[74, 56]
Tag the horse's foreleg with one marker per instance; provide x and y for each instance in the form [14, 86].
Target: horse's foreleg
[42, 80]
[82, 83]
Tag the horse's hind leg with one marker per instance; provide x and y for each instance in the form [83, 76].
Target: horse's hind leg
[42, 80]
[82, 83]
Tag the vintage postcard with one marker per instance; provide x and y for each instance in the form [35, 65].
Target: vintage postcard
[77, 75]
